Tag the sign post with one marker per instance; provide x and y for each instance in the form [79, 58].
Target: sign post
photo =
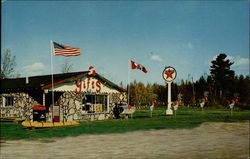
[169, 74]
[151, 110]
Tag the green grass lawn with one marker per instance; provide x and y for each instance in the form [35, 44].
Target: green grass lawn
[185, 118]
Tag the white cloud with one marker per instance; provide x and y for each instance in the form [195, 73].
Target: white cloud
[240, 63]
[35, 67]
[231, 58]
[36, 73]
[189, 45]
[156, 58]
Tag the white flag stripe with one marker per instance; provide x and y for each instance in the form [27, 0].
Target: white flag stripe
[65, 50]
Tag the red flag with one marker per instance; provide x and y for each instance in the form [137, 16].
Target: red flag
[138, 66]
[133, 65]
[65, 50]
[144, 70]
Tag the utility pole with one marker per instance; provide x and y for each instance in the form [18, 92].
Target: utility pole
[193, 91]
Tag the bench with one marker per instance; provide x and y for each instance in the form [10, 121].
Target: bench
[128, 112]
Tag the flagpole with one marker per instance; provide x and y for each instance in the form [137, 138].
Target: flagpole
[52, 78]
[128, 79]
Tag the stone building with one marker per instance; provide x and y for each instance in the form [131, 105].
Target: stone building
[77, 96]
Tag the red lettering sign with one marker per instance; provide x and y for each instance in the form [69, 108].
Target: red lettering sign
[98, 85]
[88, 82]
[82, 85]
[78, 83]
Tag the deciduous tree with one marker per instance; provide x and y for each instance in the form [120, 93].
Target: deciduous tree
[8, 65]
[66, 67]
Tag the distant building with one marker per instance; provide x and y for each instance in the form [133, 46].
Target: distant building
[77, 96]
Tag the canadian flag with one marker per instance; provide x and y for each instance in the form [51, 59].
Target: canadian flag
[138, 66]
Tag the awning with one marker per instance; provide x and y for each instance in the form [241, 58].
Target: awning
[39, 107]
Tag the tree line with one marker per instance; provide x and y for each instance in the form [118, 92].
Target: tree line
[218, 88]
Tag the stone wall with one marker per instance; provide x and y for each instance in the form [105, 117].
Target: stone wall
[22, 106]
[71, 107]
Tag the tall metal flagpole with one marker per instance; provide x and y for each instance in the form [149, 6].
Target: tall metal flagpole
[52, 77]
[128, 79]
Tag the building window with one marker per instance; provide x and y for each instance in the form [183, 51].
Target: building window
[102, 101]
[8, 101]
[95, 103]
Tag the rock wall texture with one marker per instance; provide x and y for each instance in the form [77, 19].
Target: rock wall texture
[22, 106]
[70, 105]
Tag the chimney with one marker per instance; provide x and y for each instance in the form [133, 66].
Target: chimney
[27, 80]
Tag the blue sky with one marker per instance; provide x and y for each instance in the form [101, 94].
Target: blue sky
[186, 35]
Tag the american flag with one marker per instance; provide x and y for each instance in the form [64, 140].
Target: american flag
[65, 50]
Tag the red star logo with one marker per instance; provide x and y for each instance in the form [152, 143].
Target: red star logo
[169, 74]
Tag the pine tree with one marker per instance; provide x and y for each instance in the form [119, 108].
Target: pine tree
[221, 73]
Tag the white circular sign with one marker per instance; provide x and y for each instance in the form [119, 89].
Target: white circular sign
[169, 74]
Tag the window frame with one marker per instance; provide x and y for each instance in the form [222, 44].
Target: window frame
[8, 101]
[95, 99]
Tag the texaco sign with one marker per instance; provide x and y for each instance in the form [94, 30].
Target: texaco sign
[169, 74]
